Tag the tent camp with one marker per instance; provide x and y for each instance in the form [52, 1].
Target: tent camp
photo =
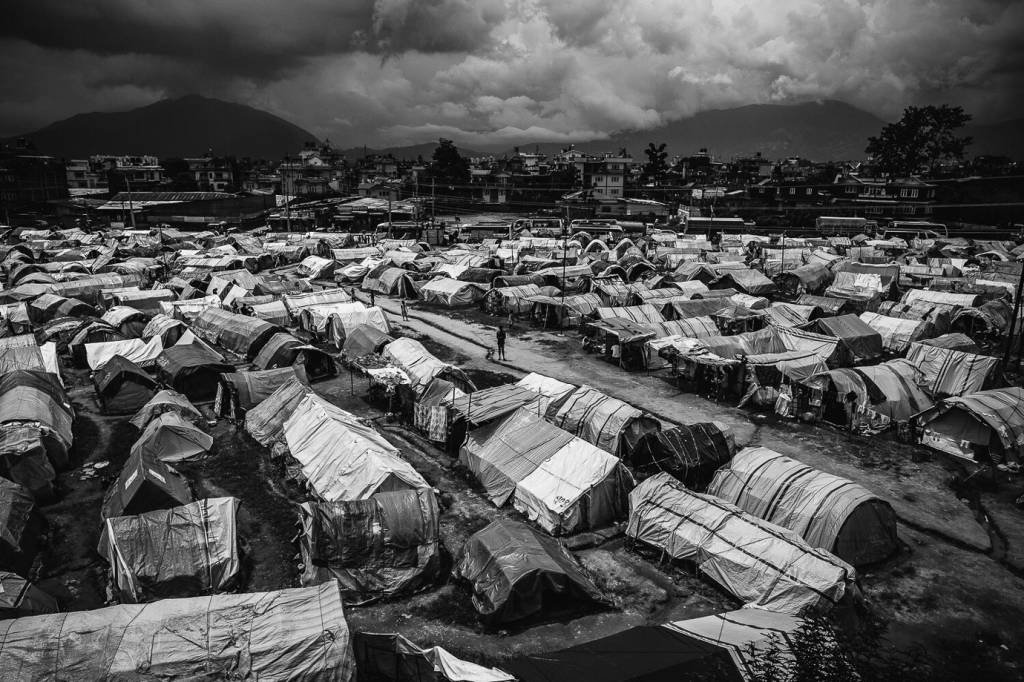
[381, 546]
[691, 453]
[165, 401]
[884, 394]
[607, 422]
[897, 333]
[171, 438]
[287, 634]
[562, 483]
[515, 572]
[191, 370]
[342, 458]
[761, 564]
[265, 422]
[947, 372]
[183, 551]
[829, 512]
[862, 342]
[421, 366]
[977, 426]
[451, 293]
[122, 387]
[239, 334]
[144, 484]
[726, 646]
[18, 599]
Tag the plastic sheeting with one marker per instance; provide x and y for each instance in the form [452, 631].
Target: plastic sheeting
[451, 292]
[165, 401]
[170, 438]
[862, 341]
[421, 366]
[385, 545]
[982, 418]
[20, 598]
[691, 453]
[144, 484]
[122, 386]
[607, 422]
[513, 570]
[946, 372]
[393, 658]
[178, 552]
[827, 511]
[762, 564]
[342, 458]
[287, 634]
[265, 422]
[897, 333]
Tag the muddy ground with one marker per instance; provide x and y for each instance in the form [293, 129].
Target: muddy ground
[955, 588]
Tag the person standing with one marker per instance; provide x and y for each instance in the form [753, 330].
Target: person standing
[501, 343]
[405, 311]
[371, 299]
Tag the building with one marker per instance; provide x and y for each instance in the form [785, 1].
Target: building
[317, 171]
[212, 174]
[891, 197]
[85, 177]
[27, 178]
[141, 173]
[606, 177]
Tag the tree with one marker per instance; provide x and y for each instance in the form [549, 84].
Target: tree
[921, 139]
[656, 164]
[448, 165]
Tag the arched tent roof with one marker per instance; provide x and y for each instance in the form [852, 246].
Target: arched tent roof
[20, 526]
[239, 334]
[512, 570]
[239, 392]
[827, 511]
[451, 292]
[265, 422]
[421, 366]
[609, 423]
[363, 340]
[21, 599]
[863, 343]
[811, 278]
[897, 333]
[167, 328]
[165, 401]
[890, 389]
[691, 453]
[122, 386]
[170, 438]
[191, 370]
[993, 418]
[341, 324]
[37, 396]
[949, 372]
[284, 350]
[761, 564]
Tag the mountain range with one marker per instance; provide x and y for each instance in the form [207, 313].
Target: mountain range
[191, 125]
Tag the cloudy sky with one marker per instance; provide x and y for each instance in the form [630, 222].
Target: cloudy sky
[403, 71]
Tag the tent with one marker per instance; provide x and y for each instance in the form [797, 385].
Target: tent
[265, 422]
[342, 458]
[609, 423]
[38, 397]
[122, 387]
[128, 320]
[381, 546]
[364, 339]
[805, 279]
[167, 328]
[287, 634]
[553, 392]
[691, 453]
[297, 302]
[977, 425]
[642, 314]
[90, 333]
[393, 658]
[564, 311]
[955, 341]
[178, 552]
[284, 350]
[21, 526]
[25, 460]
[272, 311]
[761, 564]
[18, 599]
[562, 483]
[515, 572]
[191, 370]
[827, 511]
[240, 334]
[170, 438]
[340, 325]
[316, 318]
[239, 392]
[421, 366]
[473, 410]
[863, 343]
[165, 401]
[897, 333]
[135, 350]
[886, 393]
[451, 293]
[511, 299]
[948, 372]
[746, 281]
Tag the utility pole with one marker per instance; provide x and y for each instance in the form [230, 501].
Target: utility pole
[432, 205]
[131, 207]
[390, 190]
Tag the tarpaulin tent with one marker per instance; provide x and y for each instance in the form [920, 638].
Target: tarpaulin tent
[144, 484]
[567, 311]
[642, 314]
[553, 392]
[191, 370]
[947, 372]
[265, 422]
[560, 482]
[761, 564]
[862, 342]
[287, 634]
[239, 392]
[272, 311]
[691, 453]
[140, 352]
[746, 281]
[393, 658]
[170, 438]
[90, 333]
[791, 314]
[167, 328]
[609, 423]
[827, 511]
[22, 352]
[697, 307]
[239, 334]
[886, 393]
[50, 306]
[342, 458]
[122, 387]
[511, 299]
[981, 424]
[20, 526]
[165, 401]
[340, 325]
[364, 339]
[381, 546]
[128, 320]
[35, 396]
[515, 573]
[421, 366]
[183, 551]
[945, 297]
[284, 350]
[451, 293]
[24, 459]
[829, 306]
[20, 599]
[954, 341]
[811, 278]
[897, 333]
[316, 318]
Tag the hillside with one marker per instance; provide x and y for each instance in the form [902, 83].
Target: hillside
[187, 126]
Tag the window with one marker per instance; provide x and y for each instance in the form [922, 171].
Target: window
[913, 193]
[808, 191]
[792, 190]
[613, 192]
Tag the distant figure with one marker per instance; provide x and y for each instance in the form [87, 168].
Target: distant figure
[371, 300]
[405, 311]
[501, 343]
[852, 414]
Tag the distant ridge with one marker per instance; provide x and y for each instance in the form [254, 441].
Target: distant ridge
[186, 126]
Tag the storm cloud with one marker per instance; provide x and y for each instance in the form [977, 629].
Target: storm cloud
[490, 71]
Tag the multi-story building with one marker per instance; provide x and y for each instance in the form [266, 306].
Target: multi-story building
[141, 173]
[316, 171]
[27, 178]
[85, 177]
[211, 174]
[606, 177]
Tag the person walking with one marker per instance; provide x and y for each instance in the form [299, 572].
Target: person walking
[371, 300]
[501, 343]
[405, 311]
